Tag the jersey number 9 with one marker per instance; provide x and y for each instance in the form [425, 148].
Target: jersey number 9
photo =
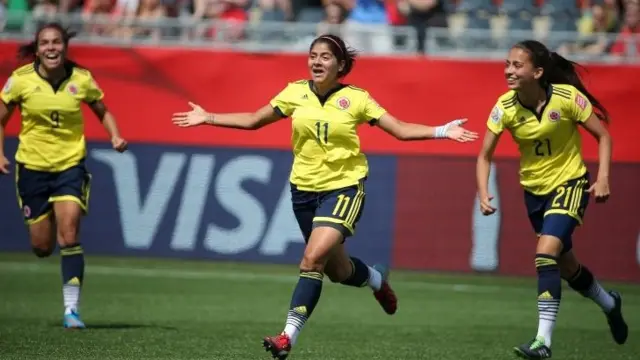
[55, 118]
[322, 132]
[542, 147]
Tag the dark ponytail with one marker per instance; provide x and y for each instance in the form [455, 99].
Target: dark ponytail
[559, 70]
[28, 51]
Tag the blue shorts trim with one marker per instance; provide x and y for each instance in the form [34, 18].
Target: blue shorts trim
[38, 190]
[559, 212]
[340, 209]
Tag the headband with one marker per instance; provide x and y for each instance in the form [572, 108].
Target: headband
[335, 42]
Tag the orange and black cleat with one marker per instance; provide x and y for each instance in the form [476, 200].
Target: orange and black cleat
[279, 346]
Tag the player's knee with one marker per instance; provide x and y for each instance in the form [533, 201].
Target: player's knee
[310, 262]
[67, 234]
[549, 245]
[42, 241]
[42, 251]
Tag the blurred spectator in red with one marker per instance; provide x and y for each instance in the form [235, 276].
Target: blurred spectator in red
[229, 16]
[627, 44]
[97, 17]
[424, 14]
[335, 16]
[395, 16]
[276, 10]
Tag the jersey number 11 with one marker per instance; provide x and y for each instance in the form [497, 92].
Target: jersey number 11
[320, 129]
[55, 118]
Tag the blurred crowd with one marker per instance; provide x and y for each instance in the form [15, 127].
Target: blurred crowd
[596, 26]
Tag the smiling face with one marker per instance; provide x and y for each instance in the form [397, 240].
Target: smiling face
[51, 49]
[520, 71]
[323, 64]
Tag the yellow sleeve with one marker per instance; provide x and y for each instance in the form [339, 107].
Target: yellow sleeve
[12, 90]
[580, 108]
[282, 103]
[371, 111]
[497, 119]
[93, 92]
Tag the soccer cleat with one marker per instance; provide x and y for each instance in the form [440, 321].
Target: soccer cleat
[279, 346]
[385, 296]
[533, 350]
[617, 325]
[72, 321]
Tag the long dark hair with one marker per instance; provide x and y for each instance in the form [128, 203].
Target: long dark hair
[340, 50]
[558, 70]
[28, 51]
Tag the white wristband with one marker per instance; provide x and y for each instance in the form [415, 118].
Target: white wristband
[441, 131]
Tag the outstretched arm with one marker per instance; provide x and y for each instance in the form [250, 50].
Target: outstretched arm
[245, 121]
[408, 131]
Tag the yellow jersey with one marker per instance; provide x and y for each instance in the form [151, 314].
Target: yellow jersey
[325, 143]
[550, 145]
[51, 138]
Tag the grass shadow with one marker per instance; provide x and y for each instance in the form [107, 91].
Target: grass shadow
[122, 326]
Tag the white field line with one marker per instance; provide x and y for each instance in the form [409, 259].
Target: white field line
[93, 270]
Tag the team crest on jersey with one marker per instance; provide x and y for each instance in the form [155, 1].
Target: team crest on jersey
[343, 103]
[73, 90]
[496, 114]
[27, 211]
[7, 86]
[581, 102]
[554, 115]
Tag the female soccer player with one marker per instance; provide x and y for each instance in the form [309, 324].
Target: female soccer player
[542, 110]
[51, 177]
[328, 173]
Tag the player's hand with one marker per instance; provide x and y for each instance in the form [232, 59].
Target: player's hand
[197, 116]
[600, 190]
[485, 205]
[4, 165]
[456, 132]
[119, 144]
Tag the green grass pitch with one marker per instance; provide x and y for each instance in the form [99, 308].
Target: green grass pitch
[174, 310]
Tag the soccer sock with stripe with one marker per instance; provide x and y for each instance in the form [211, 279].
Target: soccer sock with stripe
[584, 283]
[363, 275]
[304, 300]
[549, 295]
[72, 263]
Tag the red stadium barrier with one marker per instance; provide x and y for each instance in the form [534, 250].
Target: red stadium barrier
[145, 85]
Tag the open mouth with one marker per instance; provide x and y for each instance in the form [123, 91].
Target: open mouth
[53, 56]
[511, 81]
[317, 71]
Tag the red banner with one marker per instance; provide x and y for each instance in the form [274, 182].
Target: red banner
[144, 86]
[438, 225]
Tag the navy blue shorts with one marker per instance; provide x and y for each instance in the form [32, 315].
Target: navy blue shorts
[38, 190]
[340, 209]
[559, 212]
